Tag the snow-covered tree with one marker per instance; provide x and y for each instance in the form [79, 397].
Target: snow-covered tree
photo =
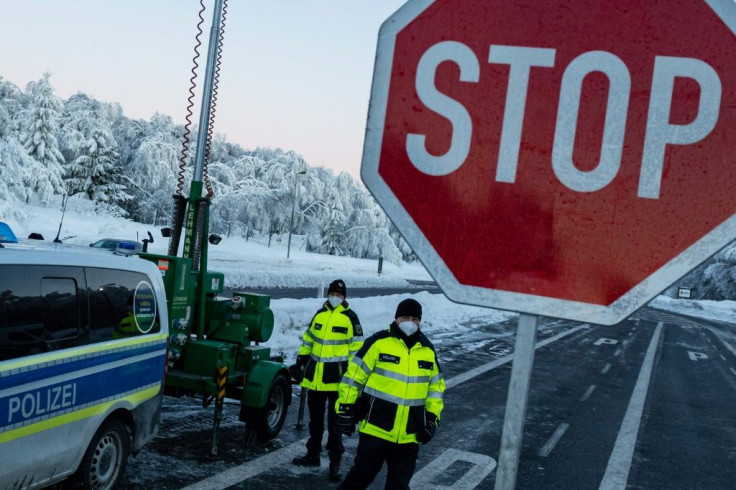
[240, 197]
[151, 175]
[14, 164]
[279, 176]
[368, 236]
[11, 106]
[407, 254]
[91, 150]
[38, 135]
[338, 209]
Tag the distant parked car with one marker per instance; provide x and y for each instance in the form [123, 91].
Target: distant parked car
[118, 244]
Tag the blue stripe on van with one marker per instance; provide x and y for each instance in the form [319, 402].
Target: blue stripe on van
[44, 370]
[85, 381]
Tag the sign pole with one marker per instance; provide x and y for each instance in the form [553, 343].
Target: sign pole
[513, 422]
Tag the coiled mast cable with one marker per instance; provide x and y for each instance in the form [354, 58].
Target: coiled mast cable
[190, 103]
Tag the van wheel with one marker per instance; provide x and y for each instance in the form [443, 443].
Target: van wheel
[267, 421]
[103, 465]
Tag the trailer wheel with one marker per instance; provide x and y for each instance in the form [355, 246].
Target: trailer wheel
[267, 421]
[103, 465]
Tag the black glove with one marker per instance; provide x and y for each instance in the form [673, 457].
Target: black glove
[430, 426]
[345, 420]
[297, 373]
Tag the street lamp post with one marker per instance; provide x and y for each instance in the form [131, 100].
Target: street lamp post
[293, 209]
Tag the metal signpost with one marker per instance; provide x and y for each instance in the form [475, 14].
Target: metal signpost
[537, 168]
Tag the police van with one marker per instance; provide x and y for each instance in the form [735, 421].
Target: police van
[83, 346]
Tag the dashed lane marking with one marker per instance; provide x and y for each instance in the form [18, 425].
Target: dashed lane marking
[733, 370]
[617, 353]
[587, 393]
[606, 368]
[719, 336]
[550, 445]
[722, 357]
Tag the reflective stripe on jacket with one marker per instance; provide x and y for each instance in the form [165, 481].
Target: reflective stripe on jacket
[393, 386]
[332, 338]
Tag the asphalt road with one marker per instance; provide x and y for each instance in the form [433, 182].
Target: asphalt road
[647, 404]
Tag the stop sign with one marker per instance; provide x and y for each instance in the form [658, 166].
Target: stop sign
[568, 160]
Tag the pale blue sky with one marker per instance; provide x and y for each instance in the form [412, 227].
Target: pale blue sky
[296, 74]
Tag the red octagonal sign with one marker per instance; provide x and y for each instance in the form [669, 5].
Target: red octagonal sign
[568, 160]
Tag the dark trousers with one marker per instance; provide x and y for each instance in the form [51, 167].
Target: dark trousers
[316, 401]
[401, 459]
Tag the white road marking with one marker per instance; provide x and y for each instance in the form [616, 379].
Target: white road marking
[617, 353]
[617, 471]
[547, 448]
[722, 357]
[252, 468]
[733, 370]
[606, 368]
[695, 356]
[719, 336]
[587, 393]
[482, 467]
[604, 340]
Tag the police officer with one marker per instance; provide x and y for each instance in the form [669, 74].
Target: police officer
[332, 338]
[394, 388]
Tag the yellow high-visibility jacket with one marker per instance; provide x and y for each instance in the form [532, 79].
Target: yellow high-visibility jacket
[392, 386]
[333, 337]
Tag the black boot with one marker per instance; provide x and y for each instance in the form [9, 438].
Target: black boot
[335, 470]
[307, 460]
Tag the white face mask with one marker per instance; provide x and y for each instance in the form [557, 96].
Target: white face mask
[409, 328]
[334, 301]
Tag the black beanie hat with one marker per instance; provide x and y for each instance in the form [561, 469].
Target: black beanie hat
[409, 307]
[337, 286]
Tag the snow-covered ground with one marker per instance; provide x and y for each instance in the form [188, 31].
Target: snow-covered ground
[253, 264]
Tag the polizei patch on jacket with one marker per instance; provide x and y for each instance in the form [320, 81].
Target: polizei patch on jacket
[389, 358]
[426, 365]
[340, 329]
[318, 326]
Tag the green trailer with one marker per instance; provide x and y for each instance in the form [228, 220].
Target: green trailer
[215, 345]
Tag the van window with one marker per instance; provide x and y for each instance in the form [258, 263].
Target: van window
[44, 308]
[121, 304]
[39, 309]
